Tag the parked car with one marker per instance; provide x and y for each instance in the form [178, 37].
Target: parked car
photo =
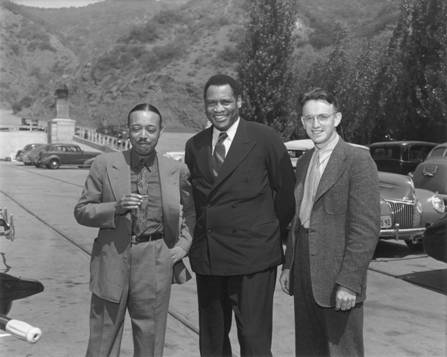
[30, 157]
[405, 211]
[400, 157]
[435, 240]
[296, 148]
[53, 156]
[26, 148]
[432, 173]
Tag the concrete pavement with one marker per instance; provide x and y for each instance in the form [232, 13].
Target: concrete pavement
[401, 319]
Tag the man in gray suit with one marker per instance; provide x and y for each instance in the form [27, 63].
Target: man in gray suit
[333, 235]
[142, 204]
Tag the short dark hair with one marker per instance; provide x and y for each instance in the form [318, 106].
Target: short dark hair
[221, 80]
[144, 107]
[319, 94]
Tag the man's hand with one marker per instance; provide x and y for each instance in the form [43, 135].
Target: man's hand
[284, 280]
[177, 253]
[128, 202]
[344, 299]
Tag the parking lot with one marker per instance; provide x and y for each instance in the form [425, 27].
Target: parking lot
[405, 310]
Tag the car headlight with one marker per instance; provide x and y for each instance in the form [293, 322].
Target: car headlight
[438, 203]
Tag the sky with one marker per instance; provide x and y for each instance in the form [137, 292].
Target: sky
[55, 3]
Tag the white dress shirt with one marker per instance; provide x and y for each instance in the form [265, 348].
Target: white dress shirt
[231, 132]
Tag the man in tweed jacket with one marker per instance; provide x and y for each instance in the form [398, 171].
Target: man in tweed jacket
[333, 235]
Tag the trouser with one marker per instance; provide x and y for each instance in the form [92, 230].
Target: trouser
[251, 299]
[321, 331]
[146, 297]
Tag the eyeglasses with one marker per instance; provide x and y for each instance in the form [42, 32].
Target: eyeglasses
[322, 118]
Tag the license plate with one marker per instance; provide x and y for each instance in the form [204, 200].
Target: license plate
[385, 222]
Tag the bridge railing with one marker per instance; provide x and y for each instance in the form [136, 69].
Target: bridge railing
[101, 140]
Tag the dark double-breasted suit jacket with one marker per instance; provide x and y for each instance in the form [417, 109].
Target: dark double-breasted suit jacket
[240, 215]
[344, 224]
[107, 182]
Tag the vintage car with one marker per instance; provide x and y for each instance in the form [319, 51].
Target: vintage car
[296, 148]
[53, 156]
[405, 211]
[25, 149]
[400, 157]
[30, 157]
[432, 173]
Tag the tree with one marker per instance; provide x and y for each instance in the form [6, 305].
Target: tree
[411, 89]
[265, 62]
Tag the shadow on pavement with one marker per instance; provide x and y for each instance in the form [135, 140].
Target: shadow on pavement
[394, 249]
[435, 280]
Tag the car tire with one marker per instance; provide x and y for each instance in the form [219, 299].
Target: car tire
[53, 164]
[414, 245]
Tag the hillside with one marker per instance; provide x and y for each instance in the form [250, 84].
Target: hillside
[119, 53]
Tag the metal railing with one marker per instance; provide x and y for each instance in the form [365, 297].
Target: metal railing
[102, 140]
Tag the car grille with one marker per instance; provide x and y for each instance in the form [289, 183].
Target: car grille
[402, 213]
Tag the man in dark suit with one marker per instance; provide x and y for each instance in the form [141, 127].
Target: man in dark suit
[333, 235]
[242, 183]
[142, 204]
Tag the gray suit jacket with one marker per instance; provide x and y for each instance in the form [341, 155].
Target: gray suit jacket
[107, 182]
[344, 225]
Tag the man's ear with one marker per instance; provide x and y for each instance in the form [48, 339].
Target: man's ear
[239, 102]
[338, 117]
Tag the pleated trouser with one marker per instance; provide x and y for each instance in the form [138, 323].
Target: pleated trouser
[146, 298]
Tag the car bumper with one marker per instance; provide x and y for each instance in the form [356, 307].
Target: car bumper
[401, 233]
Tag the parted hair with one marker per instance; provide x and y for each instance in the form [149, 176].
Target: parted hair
[144, 107]
[319, 94]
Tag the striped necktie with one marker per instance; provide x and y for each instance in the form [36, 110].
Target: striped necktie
[219, 153]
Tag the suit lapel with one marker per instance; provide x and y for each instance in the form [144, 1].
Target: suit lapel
[335, 167]
[239, 149]
[203, 154]
[169, 193]
[118, 172]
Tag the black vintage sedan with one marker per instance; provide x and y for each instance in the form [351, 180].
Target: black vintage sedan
[53, 156]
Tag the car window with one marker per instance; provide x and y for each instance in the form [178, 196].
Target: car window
[417, 152]
[437, 152]
[386, 153]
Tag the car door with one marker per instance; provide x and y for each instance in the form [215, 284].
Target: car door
[62, 153]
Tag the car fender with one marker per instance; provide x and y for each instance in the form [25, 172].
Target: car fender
[429, 214]
[48, 158]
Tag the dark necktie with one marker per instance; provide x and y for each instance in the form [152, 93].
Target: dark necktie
[219, 153]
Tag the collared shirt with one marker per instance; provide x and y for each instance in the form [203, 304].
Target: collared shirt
[321, 154]
[145, 180]
[231, 132]
[325, 152]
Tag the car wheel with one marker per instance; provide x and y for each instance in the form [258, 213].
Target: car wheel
[53, 164]
[414, 244]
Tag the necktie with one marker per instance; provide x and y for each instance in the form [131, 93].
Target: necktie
[310, 189]
[219, 153]
[140, 215]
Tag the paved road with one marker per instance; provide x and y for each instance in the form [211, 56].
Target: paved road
[402, 319]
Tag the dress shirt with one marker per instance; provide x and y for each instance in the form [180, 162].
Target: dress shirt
[324, 153]
[231, 132]
[145, 180]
